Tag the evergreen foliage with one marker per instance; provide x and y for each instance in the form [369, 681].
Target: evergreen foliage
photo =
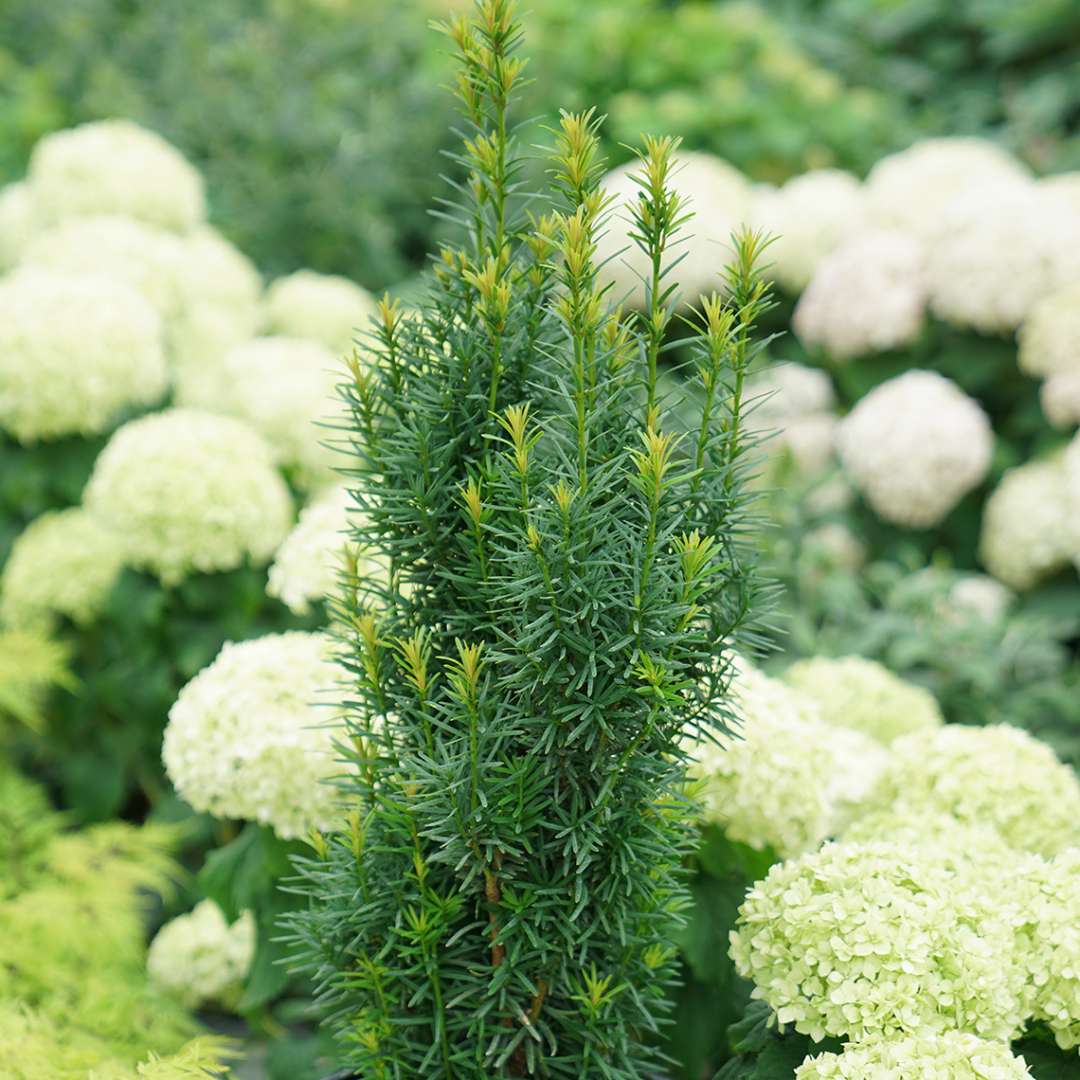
[569, 573]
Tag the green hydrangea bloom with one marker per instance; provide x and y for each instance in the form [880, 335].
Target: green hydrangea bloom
[881, 939]
[998, 776]
[952, 1055]
[863, 694]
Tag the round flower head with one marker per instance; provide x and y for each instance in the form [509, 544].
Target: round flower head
[978, 596]
[912, 189]
[862, 940]
[1060, 399]
[246, 737]
[1050, 336]
[1025, 525]
[950, 1055]
[115, 167]
[791, 409]
[996, 776]
[331, 310]
[952, 840]
[185, 491]
[782, 779]
[1055, 947]
[144, 257]
[199, 958]
[17, 222]
[999, 249]
[283, 387]
[718, 195]
[862, 694]
[308, 564]
[75, 351]
[915, 446]
[810, 216]
[64, 563]
[217, 308]
[867, 296]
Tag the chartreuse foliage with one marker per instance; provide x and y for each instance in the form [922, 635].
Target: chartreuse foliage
[567, 575]
[74, 998]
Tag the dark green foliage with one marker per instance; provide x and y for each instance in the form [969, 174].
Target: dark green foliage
[727, 78]
[968, 66]
[101, 747]
[566, 578]
[317, 126]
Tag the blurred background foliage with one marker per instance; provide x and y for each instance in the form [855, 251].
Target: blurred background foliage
[319, 124]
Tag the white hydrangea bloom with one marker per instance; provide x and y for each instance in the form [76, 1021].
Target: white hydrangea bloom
[326, 308]
[879, 939]
[997, 251]
[1063, 186]
[980, 596]
[997, 776]
[115, 167]
[862, 694]
[808, 218]
[950, 1055]
[246, 738]
[147, 258]
[218, 297]
[64, 563]
[306, 566]
[284, 387]
[17, 222]
[1025, 525]
[915, 446]
[1060, 399]
[75, 350]
[911, 190]
[837, 544]
[792, 406]
[1055, 952]
[867, 296]
[1050, 336]
[719, 197]
[940, 832]
[785, 779]
[199, 958]
[185, 491]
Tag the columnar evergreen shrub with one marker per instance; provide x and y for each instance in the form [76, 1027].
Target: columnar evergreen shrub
[567, 575]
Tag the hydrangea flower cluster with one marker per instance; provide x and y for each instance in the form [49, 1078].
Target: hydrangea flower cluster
[998, 776]
[718, 194]
[950, 1055]
[867, 296]
[16, 222]
[246, 738]
[1050, 337]
[114, 167]
[785, 780]
[326, 308]
[1025, 525]
[306, 567]
[862, 694]
[810, 216]
[1059, 396]
[915, 446]
[199, 958]
[64, 563]
[218, 293]
[283, 387]
[911, 190]
[187, 491]
[75, 350]
[878, 939]
[145, 257]
[793, 408]
[997, 251]
[1055, 952]
[978, 596]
